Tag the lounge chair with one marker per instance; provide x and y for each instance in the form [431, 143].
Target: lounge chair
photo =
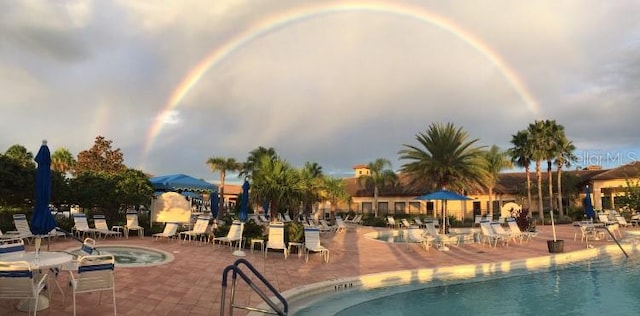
[507, 235]
[133, 224]
[417, 235]
[199, 230]
[264, 220]
[604, 219]
[477, 220]
[405, 223]
[489, 235]
[622, 221]
[81, 227]
[341, 226]
[276, 239]
[419, 222]
[234, 235]
[170, 231]
[312, 243]
[391, 222]
[287, 218]
[94, 274]
[513, 227]
[22, 227]
[441, 240]
[18, 281]
[324, 227]
[100, 222]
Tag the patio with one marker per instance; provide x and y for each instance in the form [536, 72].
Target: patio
[190, 285]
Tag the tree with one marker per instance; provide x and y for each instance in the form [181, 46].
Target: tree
[17, 182]
[62, 161]
[444, 158]
[100, 158]
[554, 132]
[222, 165]
[564, 158]
[538, 141]
[335, 191]
[521, 156]
[21, 155]
[312, 176]
[496, 161]
[274, 181]
[254, 159]
[377, 178]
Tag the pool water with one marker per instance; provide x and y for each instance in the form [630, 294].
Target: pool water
[131, 256]
[600, 287]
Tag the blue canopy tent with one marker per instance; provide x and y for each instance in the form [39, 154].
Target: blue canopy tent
[181, 182]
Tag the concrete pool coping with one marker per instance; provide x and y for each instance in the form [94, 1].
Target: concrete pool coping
[306, 295]
[169, 257]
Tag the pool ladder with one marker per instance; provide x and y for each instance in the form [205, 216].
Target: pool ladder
[235, 267]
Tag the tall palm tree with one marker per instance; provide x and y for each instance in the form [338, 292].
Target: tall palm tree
[564, 158]
[444, 158]
[497, 161]
[377, 178]
[62, 160]
[553, 133]
[254, 158]
[275, 181]
[521, 156]
[539, 141]
[222, 165]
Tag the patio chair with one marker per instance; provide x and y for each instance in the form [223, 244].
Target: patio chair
[170, 231]
[405, 223]
[94, 274]
[287, 218]
[391, 222]
[441, 240]
[604, 219]
[11, 247]
[416, 235]
[312, 243]
[524, 236]
[102, 229]
[276, 239]
[81, 226]
[500, 231]
[198, 232]
[324, 227]
[419, 222]
[133, 224]
[341, 226]
[18, 281]
[489, 235]
[22, 227]
[622, 221]
[233, 236]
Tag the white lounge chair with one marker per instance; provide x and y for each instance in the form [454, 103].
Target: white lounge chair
[419, 222]
[11, 247]
[81, 226]
[441, 240]
[199, 230]
[324, 227]
[133, 224]
[233, 236]
[513, 227]
[391, 222]
[94, 274]
[622, 221]
[170, 231]
[18, 281]
[276, 239]
[489, 235]
[22, 227]
[287, 218]
[405, 223]
[507, 235]
[100, 222]
[312, 243]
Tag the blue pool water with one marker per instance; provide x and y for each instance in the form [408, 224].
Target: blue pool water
[132, 256]
[602, 287]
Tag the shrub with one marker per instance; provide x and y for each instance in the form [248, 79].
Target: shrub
[371, 220]
[524, 221]
[294, 232]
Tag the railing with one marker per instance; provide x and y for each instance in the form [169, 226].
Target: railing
[236, 271]
[614, 239]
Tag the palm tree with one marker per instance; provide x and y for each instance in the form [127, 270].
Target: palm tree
[564, 158]
[539, 142]
[276, 182]
[497, 161]
[254, 159]
[553, 133]
[521, 156]
[312, 175]
[62, 160]
[377, 178]
[444, 158]
[222, 165]
[335, 191]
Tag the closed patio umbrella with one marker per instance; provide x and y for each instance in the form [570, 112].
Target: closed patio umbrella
[244, 202]
[42, 221]
[588, 206]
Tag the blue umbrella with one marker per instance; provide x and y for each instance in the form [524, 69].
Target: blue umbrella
[42, 221]
[215, 204]
[443, 195]
[244, 202]
[588, 206]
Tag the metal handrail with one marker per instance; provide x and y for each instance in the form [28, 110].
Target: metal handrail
[616, 240]
[236, 271]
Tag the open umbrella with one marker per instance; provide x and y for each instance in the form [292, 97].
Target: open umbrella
[42, 221]
[443, 195]
[588, 206]
[244, 202]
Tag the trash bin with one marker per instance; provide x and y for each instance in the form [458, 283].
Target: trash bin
[555, 246]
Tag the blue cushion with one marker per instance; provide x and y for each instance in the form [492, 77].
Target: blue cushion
[11, 249]
[16, 274]
[96, 267]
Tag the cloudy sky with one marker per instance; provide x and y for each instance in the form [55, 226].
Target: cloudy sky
[173, 83]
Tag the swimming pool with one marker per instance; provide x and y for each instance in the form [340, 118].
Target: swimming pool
[399, 235]
[570, 284]
[133, 256]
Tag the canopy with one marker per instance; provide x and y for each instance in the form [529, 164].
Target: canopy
[443, 195]
[181, 182]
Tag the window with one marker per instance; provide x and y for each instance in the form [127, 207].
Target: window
[400, 207]
[414, 207]
[367, 207]
[383, 208]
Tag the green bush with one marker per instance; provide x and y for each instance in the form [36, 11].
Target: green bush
[294, 232]
[370, 220]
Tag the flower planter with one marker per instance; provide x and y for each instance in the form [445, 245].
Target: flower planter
[555, 246]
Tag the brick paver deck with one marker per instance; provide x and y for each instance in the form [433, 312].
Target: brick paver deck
[191, 284]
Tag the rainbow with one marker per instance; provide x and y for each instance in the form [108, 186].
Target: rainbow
[297, 15]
